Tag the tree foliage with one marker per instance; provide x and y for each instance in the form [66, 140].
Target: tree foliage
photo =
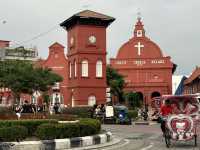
[116, 83]
[23, 77]
[133, 100]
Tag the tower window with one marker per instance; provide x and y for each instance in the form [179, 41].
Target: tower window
[70, 69]
[75, 69]
[99, 68]
[84, 68]
[91, 100]
[139, 33]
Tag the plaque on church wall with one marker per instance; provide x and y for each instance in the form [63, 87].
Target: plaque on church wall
[120, 62]
[158, 61]
[139, 62]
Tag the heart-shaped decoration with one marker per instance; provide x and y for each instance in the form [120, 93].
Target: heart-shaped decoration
[180, 123]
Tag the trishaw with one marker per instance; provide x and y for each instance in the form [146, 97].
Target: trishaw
[182, 124]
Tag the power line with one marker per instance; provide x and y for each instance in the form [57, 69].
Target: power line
[37, 36]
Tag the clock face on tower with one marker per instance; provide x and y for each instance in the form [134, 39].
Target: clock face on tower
[92, 39]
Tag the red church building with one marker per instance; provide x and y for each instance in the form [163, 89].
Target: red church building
[58, 63]
[143, 65]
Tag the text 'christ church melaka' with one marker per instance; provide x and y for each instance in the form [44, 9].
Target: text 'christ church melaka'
[139, 60]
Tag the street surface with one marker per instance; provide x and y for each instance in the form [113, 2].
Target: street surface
[143, 137]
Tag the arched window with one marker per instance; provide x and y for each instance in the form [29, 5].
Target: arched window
[84, 68]
[99, 68]
[91, 100]
[75, 69]
[73, 102]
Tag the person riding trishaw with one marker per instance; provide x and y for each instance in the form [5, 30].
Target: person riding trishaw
[165, 110]
[179, 117]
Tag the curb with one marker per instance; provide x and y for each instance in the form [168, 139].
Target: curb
[58, 144]
[145, 123]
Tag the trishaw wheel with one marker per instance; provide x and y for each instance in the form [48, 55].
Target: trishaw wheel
[167, 139]
[195, 140]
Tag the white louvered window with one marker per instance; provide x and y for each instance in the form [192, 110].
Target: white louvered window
[84, 68]
[99, 69]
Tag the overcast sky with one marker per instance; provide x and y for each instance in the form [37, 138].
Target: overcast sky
[173, 24]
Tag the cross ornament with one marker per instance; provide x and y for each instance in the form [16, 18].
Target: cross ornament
[139, 46]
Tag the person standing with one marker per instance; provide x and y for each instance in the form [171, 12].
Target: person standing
[18, 111]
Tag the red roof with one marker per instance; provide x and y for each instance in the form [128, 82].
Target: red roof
[192, 97]
[92, 14]
[4, 41]
[87, 17]
[195, 74]
[56, 44]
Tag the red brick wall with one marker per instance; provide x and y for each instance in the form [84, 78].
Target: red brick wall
[82, 87]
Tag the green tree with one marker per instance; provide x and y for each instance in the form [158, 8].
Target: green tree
[23, 77]
[133, 100]
[116, 83]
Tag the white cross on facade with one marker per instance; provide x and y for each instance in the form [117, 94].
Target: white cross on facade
[139, 46]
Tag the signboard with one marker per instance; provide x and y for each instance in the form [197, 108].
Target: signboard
[109, 111]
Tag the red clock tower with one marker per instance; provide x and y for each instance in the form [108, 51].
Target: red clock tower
[87, 57]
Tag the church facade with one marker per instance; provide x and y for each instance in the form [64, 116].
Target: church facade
[143, 65]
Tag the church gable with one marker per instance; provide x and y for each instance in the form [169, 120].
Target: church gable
[139, 46]
[143, 65]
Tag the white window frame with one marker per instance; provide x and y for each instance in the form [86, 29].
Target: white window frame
[73, 102]
[84, 68]
[139, 33]
[75, 69]
[92, 100]
[70, 70]
[99, 68]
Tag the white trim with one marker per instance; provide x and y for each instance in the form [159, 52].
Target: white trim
[75, 69]
[70, 70]
[84, 68]
[99, 68]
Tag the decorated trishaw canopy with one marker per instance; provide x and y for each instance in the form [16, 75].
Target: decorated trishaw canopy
[178, 98]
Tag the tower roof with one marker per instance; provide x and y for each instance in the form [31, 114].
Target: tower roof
[93, 14]
[88, 17]
[56, 44]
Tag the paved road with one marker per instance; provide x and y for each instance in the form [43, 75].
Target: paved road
[143, 137]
